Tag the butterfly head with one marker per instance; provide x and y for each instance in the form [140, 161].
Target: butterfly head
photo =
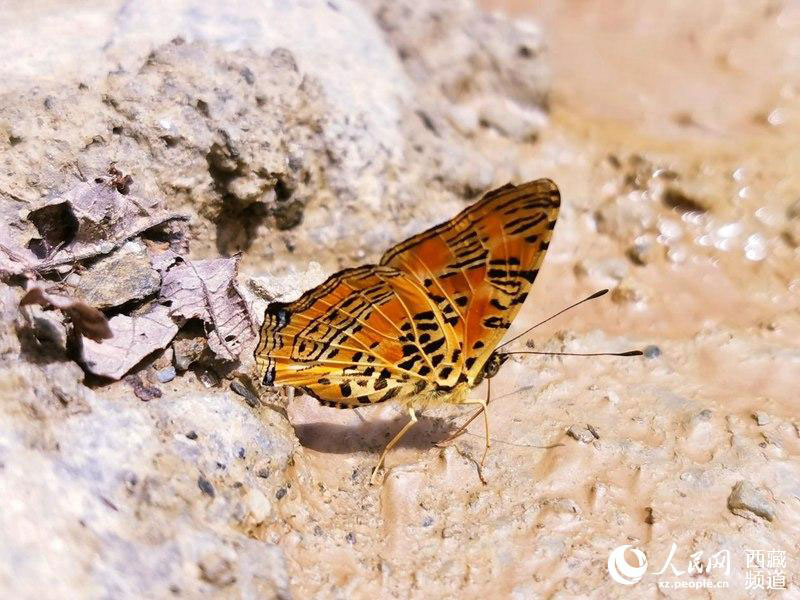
[492, 366]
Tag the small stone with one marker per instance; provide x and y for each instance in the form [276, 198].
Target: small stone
[317, 530]
[593, 431]
[124, 276]
[582, 434]
[641, 253]
[761, 418]
[280, 493]
[240, 453]
[208, 378]
[192, 435]
[258, 506]
[624, 293]
[651, 351]
[166, 374]
[427, 521]
[677, 199]
[351, 538]
[217, 570]
[263, 473]
[187, 350]
[205, 486]
[242, 390]
[745, 501]
[704, 415]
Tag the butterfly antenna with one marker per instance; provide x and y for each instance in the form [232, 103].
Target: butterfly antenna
[628, 353]
[592, 297]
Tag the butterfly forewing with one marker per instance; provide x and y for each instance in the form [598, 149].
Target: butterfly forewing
[479, 266]
[428, 316]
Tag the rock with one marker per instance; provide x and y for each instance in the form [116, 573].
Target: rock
[674, 197]
[651, 351]
[582, 434]
[258, 506]
[746, 501]
[121, 277]
[166, 374]
[761, 418]
[188, 347]
[217, 570]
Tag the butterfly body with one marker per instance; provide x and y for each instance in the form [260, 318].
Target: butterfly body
[422, 325]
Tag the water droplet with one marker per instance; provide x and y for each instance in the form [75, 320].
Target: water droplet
[755, 248]
[729, 230]
[776, 118]
[671, 230]
[704, 240]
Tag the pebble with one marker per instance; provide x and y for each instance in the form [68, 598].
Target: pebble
[651, 351]
[745, 498]
[124, 276]
[257, 504]
[216, 570]
[205, 486]
[582, 434]
[166, 375]
[761, 418]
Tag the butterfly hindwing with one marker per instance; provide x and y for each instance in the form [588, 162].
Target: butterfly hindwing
[367, 334]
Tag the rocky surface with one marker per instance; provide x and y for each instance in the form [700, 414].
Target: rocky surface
[308, 136]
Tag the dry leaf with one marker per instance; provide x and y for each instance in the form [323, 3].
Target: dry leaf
[141, 390]
[134, 338]
[88, 321]
[206, 289]
[91, 219]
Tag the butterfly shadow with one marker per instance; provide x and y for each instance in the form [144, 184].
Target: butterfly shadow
[374, 434]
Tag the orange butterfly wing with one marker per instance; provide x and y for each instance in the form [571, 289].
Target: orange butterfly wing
[429, 315]
[479, 266]
[366, 335]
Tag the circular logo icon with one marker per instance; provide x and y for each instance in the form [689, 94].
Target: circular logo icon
[621, 570]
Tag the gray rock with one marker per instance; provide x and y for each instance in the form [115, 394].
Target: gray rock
[746, 501]
[166, 374]
[121, 277]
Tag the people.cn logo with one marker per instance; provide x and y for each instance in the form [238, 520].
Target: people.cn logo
[621, 570]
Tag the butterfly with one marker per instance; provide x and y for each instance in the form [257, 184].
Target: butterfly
[421, 326]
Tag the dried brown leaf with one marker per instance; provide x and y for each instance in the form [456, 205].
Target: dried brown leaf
[206, 289]
[91, 219]
[141, 390]
[134, 338]
[88, 321]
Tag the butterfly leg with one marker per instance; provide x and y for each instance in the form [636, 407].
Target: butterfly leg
[413, 416]
[463, 428]
[485, 412]
[482, 409]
